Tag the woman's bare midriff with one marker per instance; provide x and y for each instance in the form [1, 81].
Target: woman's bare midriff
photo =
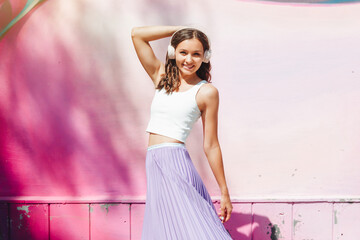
[157, 139]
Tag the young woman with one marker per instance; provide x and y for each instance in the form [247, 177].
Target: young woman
[178, 206]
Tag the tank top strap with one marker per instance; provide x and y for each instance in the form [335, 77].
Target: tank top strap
[196, 88]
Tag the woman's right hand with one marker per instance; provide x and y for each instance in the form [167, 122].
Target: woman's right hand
[225, 207]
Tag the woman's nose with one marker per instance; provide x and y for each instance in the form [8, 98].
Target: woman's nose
[188, 58]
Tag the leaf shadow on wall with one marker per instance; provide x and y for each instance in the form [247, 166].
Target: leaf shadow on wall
[62, 131]
[242, 226]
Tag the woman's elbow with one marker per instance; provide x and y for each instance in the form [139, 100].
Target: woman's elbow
[210, 146]
[134, 31]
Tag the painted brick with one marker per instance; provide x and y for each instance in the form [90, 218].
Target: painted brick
[69, 221]
[317, 221]
[239, 224]
[346, 221]
[4, 224]
[272, 221]
[29, 221]
[137, 211]
[110, 221]
[312, 221]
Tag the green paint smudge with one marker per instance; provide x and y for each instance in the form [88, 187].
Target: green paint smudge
[106, 207]
[21, 216]
[275, 232]
[335, 217]
[296, 222]
[23, 208]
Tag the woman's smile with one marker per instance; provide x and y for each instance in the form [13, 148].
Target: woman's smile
[188, 67]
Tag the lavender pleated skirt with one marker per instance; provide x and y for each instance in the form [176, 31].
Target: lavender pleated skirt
[178, 206]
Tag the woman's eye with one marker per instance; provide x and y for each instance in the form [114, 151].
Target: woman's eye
[183, 52]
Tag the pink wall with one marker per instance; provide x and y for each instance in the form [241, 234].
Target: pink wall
[75, 101]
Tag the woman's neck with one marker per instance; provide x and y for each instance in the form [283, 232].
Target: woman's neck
[190, 79]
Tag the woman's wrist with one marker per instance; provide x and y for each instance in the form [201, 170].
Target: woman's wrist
[224, 190]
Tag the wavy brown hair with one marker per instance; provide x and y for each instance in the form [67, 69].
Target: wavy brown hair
[170, 80]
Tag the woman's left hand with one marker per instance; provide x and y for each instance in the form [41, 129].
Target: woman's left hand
[225, 208]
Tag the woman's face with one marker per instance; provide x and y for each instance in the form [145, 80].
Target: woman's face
[189, 55]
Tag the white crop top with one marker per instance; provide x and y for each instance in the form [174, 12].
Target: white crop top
[174, 115]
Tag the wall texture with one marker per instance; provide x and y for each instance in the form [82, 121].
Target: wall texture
[75, 102]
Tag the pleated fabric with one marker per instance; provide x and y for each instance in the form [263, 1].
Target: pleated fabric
[178, 206]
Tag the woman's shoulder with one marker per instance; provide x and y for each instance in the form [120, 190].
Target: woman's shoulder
[208, 88]
[208, 91]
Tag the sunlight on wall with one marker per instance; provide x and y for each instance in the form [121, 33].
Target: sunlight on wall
[75, 101]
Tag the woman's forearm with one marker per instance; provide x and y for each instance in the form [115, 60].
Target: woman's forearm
[214, 157]
[150, 33]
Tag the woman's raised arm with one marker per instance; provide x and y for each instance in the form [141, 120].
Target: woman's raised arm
[141, 36]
